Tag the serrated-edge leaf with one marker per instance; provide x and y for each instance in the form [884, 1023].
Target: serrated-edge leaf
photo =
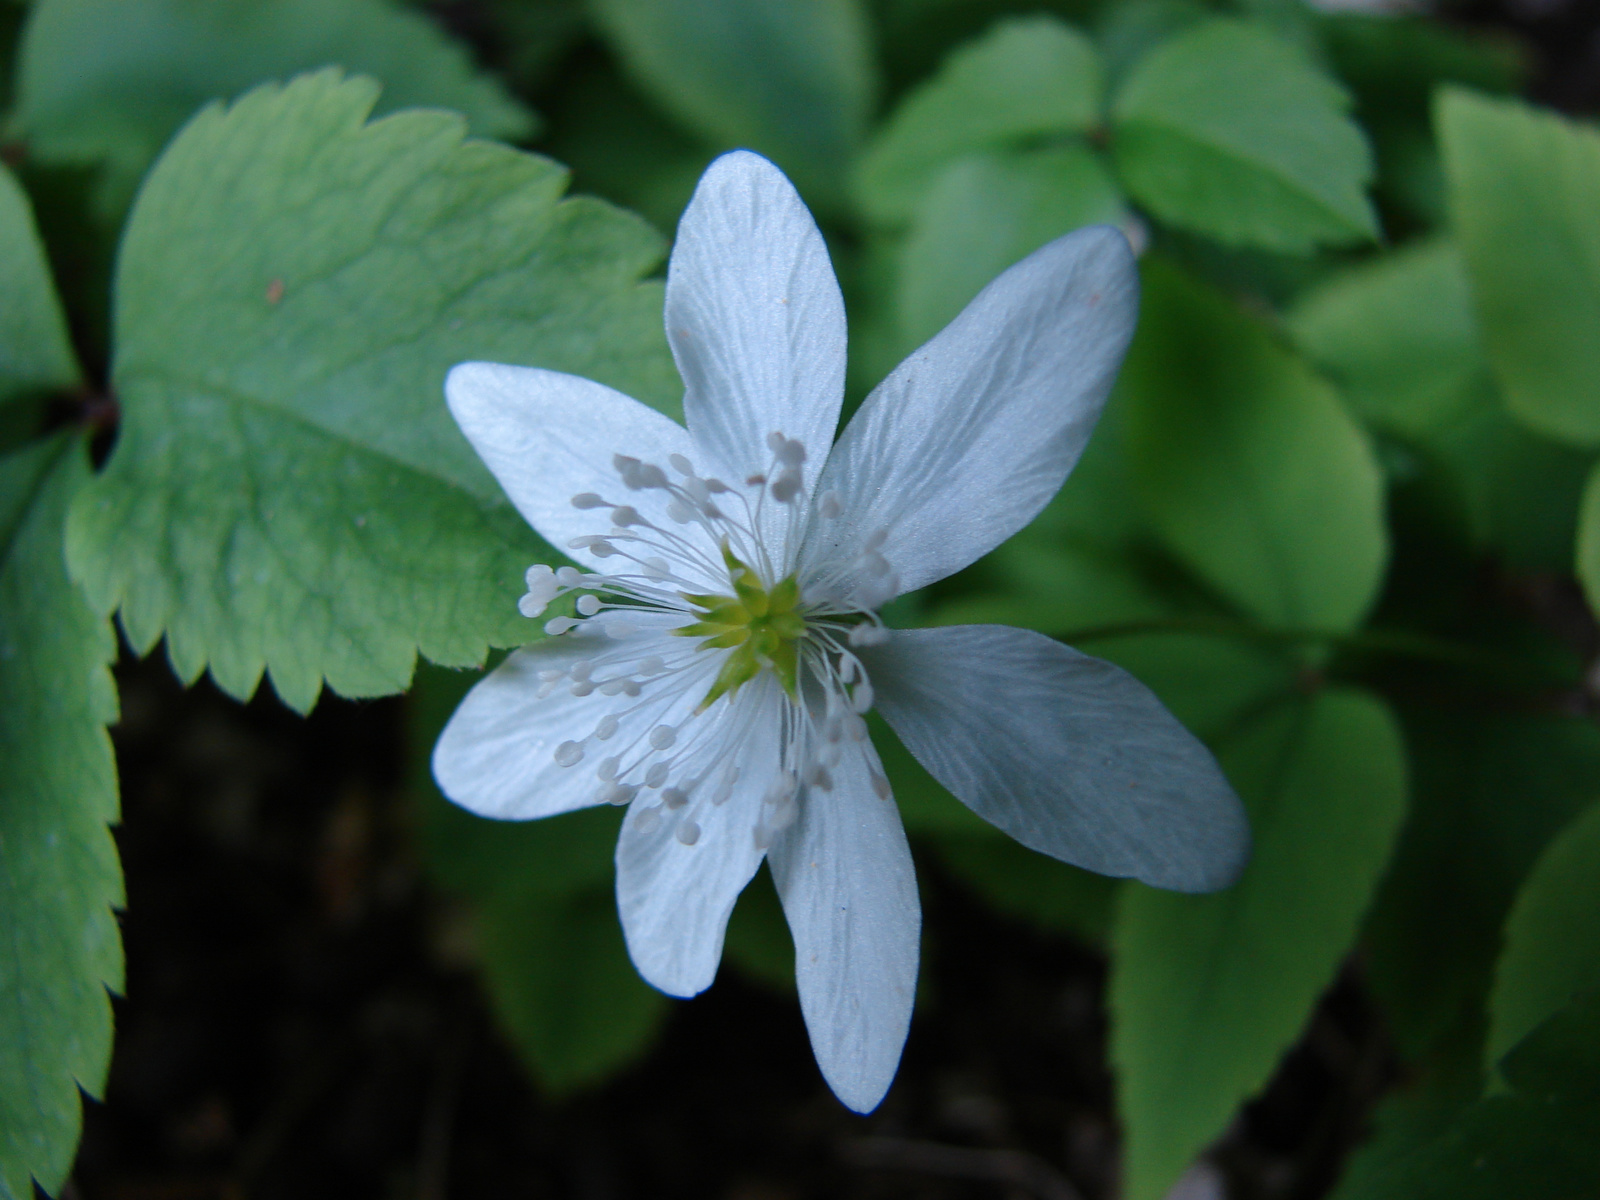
[59, 875]
[288, 491]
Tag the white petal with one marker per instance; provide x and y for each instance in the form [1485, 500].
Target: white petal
[547, 437]
[496, 756]
[675, 899]
[1068, 754]
[844, 874]
[971, 436]
[755, 319]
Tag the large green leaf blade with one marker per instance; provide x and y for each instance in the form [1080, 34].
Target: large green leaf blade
[288, 490]
[1522, 199]
[35, 353]
[1207, 992]
[1027, 78]
[111, 80]
[1248, 464]
[794, 81]
[1227, 131]
[59, 875]
[1552, 938]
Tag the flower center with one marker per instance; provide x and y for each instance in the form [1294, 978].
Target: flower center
[763, 629]
[660, 730]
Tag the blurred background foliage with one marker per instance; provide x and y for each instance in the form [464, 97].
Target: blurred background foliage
[1342, 513]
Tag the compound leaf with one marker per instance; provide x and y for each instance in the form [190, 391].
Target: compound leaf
[59, 875]
[288, 490]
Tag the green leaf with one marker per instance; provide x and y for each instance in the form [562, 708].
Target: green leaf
[1394, 63]
[986, 211]
[796, 82]
[540, 915]
[1523, 187]
[288, 490]
[563, 986]
[1027, 78]
[1247, 463]
[1207, 992]
[111, 80]
[1588, 558]
[1552, 938]
[1398, 335]
[1229, 132]
[1031, 887]
[1489, 791]
[35, 354]
[59, 876]
[1540, 1141]
[758, 942]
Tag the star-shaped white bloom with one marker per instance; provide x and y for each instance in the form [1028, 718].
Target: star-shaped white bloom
[728, 643]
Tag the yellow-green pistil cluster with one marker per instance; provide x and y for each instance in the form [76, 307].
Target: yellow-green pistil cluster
[762, 627]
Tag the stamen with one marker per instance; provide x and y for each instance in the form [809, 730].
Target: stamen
[568, 754]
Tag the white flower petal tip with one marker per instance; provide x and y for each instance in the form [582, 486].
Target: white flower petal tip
[849, 891]
[754, 316]
[970, 437]
[1068, 754]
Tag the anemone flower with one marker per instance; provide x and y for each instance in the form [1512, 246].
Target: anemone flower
[727, 641]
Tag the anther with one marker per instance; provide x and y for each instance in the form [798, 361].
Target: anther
[656, 775]
[581, 670]
[588, 605]
[680, 464]
[647, 819]
[688, 833]
[679, 512]
[715, 486]
[876, 541]
[625, 514]
[601, 548]
[619, 794]
[647, 666]
[569, 577]
[606, 728]
[662, 737]
[607, 770]
[792, 453]
[587, 500]
[569, 754]
[556, 626]
[756, 480]
[581, 688]
[674, 797]
[880, 785]
[532, 606]
[787, 485]
[776, 442]
[861, 697]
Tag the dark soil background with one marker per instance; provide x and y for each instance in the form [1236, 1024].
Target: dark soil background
[297, 1025]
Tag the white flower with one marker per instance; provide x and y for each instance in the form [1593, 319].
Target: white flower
[727, 642]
